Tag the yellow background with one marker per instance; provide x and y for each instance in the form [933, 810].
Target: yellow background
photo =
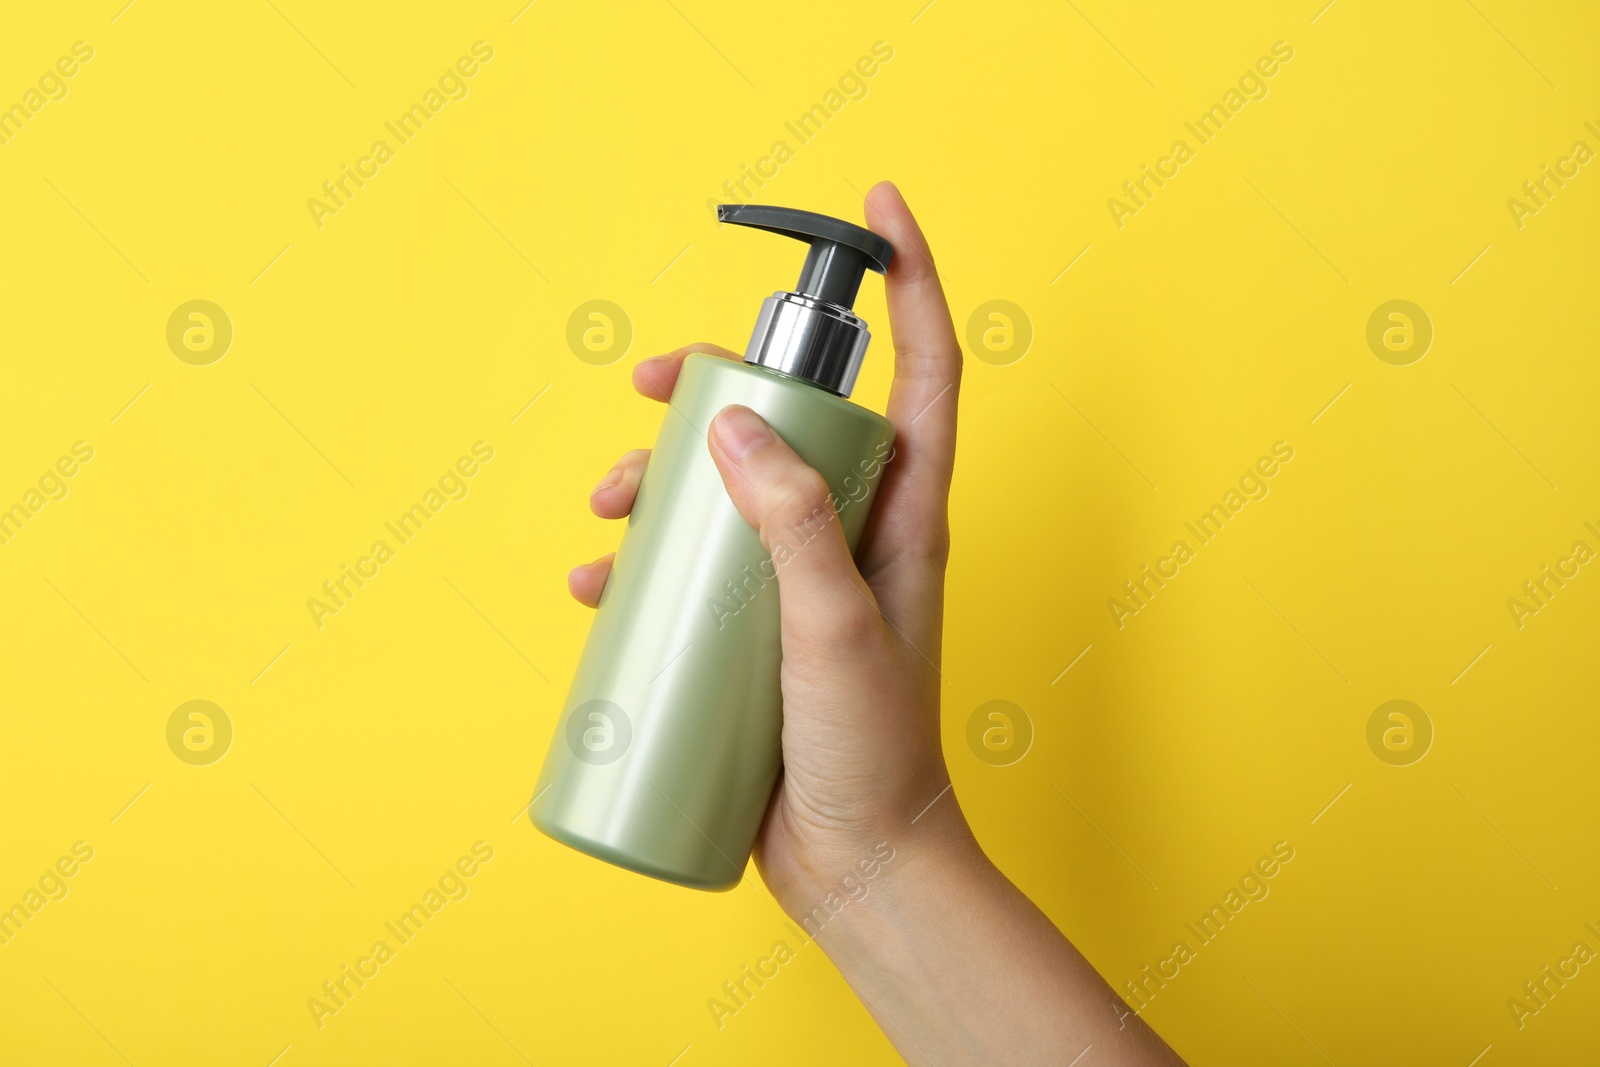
[370, 353]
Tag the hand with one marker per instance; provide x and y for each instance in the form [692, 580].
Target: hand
[954, 963]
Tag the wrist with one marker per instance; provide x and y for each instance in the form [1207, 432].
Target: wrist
[812, 852]
[890, 886]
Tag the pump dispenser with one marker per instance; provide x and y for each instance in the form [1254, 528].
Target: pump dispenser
[667, 746]
[811, 333]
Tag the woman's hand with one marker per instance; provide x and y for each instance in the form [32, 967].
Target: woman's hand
[951, 959]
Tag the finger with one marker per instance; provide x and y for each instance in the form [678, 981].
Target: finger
[655, 377]
[789, 505]
[613, 497]
[927, 366]
[588, 580]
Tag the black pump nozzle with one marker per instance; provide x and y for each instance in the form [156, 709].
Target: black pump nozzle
[841, 253]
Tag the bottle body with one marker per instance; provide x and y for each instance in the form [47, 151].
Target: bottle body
[668, 744]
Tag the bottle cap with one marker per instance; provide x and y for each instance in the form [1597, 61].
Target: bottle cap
[811, 333]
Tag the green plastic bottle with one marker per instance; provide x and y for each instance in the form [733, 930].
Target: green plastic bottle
[667, 748]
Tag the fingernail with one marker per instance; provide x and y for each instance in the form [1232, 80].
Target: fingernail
[741, 431]
[612, 479]
[580, 568]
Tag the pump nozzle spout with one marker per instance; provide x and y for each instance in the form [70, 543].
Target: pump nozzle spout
[841, 252]
[811, 333]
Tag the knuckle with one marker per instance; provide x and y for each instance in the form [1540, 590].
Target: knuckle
[857, 621]
[838, 618]
[802, 497]
[799, 490]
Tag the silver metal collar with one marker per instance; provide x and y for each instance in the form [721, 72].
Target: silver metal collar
[815, 341]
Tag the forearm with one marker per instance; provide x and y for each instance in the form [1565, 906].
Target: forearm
[958, 967]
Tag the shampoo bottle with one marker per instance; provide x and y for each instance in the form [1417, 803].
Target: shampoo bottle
[667, 748]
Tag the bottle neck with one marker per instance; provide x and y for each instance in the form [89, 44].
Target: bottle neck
[818, 342]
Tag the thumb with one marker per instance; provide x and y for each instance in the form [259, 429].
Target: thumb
[789, 504]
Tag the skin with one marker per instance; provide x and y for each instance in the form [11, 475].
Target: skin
[954, 963]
